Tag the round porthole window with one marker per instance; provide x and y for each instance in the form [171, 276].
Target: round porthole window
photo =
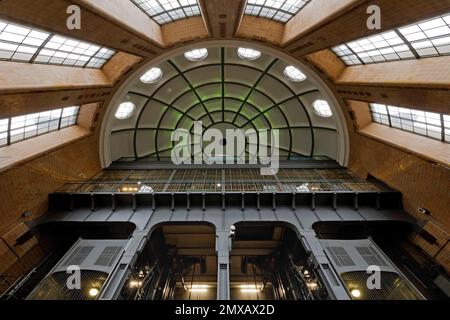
[196, 55]
[125, 110]
[151, 76]
[248, 54]
[294, 74]
[322, 109]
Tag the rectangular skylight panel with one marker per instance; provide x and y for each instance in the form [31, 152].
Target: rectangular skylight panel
[428, 124]
[3, 132]
[23, 44]
[165, 11]
[28, 126]
[432, 24]
[428, 38]
[278, 10]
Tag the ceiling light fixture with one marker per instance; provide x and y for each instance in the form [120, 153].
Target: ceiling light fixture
[249, 288]
[93, 292]
[293, 74]
[248, 54]
[356, 293]
[196, 55]
[199, 288]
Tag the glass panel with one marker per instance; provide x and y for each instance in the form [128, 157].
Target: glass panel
[22, 44]
[32, 125]
[278, 10]
[427, 124]
[165, 11]
[427, 38]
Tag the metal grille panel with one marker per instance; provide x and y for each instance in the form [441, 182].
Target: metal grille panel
[371, 256]
[108, 256]
[78, 256]
[340, 256]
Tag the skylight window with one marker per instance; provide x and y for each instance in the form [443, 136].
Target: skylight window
[322, 109]
[248, 54]
[427, 124]
[165, 11]
[294, 74]
[20, 128]
[22, 44]
[152, 76]
[196, 55]
[278, 10]
[428, 38]
[125, 110]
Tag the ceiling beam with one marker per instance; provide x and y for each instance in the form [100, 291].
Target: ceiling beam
[12, 105]
[422, 84]
[222, 17]
[346, 20]
[112, 23]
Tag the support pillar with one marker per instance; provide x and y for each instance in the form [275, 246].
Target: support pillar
[120, 274]
[223, 247]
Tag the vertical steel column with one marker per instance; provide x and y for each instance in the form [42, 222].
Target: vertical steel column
[223, 247]
[121, 272]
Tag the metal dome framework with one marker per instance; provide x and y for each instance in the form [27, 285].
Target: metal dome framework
[214, 102]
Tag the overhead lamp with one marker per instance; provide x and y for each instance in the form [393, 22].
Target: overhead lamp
[199, 288]
[312, 285]
[356, 293]
[93, 292]
[249, 288]
[135, 284]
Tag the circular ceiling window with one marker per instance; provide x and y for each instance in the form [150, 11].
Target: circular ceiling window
[248, 54]
[151, 76]
[294, 74]
[322, 109]
[125, 110]
[196, 55]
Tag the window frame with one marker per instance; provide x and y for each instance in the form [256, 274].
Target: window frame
[164, 16]
[12, 124]
[384, 115]
[400, 44]
[19, 43]
[281, 14]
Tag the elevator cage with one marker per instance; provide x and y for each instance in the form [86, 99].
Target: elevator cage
[358, 263]
[82, 273]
